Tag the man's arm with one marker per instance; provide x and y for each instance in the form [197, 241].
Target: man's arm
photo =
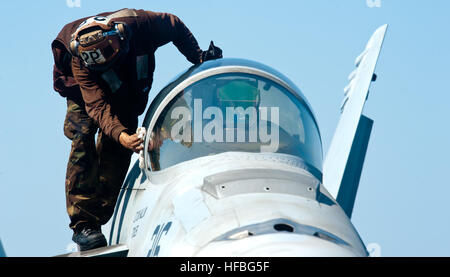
[96, 105]
[63, 82]
[165, 28]
[100, 110]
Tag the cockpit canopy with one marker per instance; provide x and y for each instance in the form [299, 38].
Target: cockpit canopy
[230, 105]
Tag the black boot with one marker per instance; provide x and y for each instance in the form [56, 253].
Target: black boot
[88, 238]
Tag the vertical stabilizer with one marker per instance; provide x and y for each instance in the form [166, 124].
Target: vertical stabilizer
[352, 174]
[341, 170]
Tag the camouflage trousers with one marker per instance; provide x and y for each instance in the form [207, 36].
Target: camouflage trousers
[95, 171]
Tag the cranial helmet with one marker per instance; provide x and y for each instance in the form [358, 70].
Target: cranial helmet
[100, 42]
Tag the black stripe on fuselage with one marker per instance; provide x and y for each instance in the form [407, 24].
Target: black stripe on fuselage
[128, 188]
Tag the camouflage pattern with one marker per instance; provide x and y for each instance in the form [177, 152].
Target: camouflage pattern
[95, 173]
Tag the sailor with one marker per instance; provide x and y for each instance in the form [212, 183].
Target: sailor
[104, 68]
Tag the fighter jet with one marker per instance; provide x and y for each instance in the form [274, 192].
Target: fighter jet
[233, 166]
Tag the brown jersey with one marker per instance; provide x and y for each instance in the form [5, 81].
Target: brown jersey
[115, 98]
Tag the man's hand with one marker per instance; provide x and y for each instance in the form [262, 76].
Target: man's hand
[131, 142]
[212, 53]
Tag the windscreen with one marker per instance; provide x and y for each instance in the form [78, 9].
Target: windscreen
[233, 112]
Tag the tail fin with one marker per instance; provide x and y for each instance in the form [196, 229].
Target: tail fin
[343, 164]
[2, 250]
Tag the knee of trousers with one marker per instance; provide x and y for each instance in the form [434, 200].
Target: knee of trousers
[77, 124]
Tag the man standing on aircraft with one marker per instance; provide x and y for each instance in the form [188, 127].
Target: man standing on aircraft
[104, 67]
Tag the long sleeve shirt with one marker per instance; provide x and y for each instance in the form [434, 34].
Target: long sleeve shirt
[115, 98]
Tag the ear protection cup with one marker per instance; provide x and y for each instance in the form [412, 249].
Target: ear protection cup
[73, 47]
[122, 31]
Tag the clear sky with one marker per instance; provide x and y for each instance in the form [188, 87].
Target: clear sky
[402, 203]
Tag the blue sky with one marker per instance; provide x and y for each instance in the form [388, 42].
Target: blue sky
[402, 203]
